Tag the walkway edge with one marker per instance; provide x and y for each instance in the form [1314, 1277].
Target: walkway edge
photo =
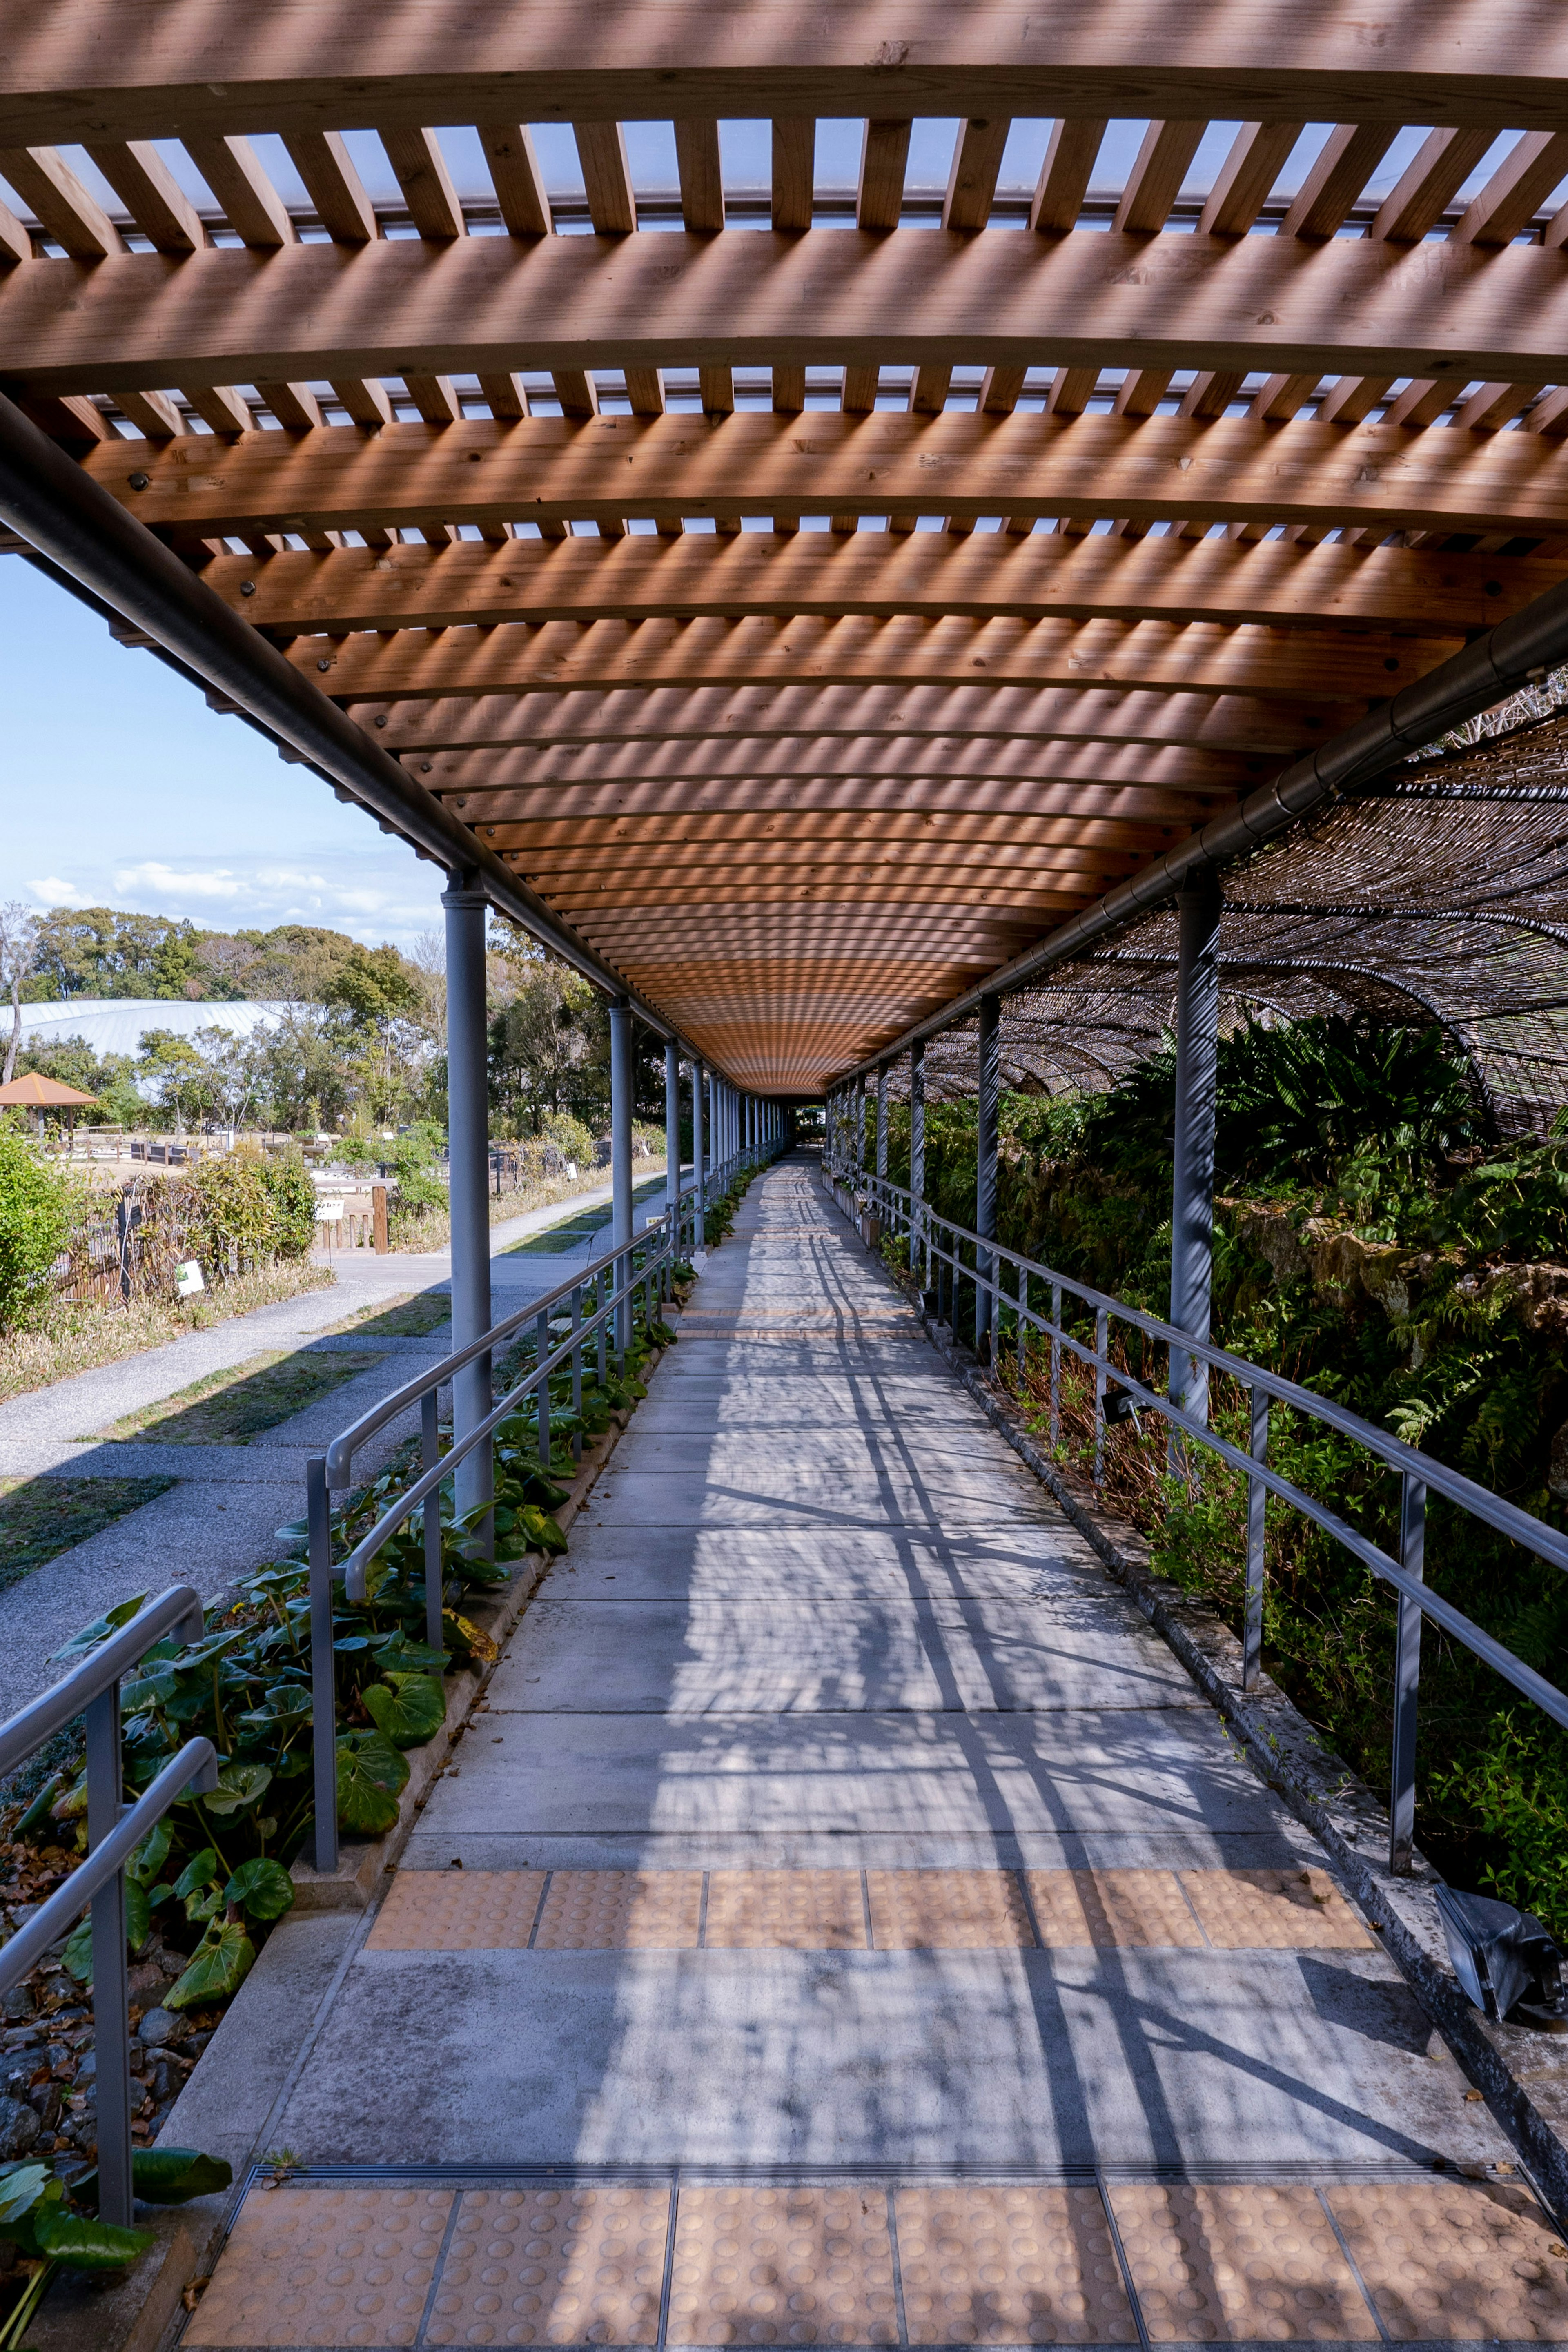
[1319, 1787]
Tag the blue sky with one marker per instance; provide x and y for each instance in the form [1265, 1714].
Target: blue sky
[123, 789]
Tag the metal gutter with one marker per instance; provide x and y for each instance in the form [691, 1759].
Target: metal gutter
[1506, 658]
[86, 539]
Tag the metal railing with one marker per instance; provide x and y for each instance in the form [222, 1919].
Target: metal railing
[950, 1257]
[114, 1832]
[597, 1304]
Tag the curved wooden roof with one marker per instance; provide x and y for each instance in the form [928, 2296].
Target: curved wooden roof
[815, 582]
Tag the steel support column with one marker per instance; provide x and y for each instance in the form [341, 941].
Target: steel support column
[882, 1120]
[698, 1145]
[985, 1166]
[672, 1132]
[859, 1128]
[621, 1157]
[1191, 1187]
[917, 1151]
[468, 1140]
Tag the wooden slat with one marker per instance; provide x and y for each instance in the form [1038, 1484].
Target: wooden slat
[1352, 398]
[1070, 153]
[1211, 393]
[16, 243]
[607, 177]
[151, 194]
[1280, 397]
[219, 405]
[152, 413]
[1421, 401]
[294, 405]
[69, 216]
[1345, 162]
[645, 390]
[515, 176]
[1494, 405]
[1001, 389]
[1428, 184]
[507, 398]
[1516, 189]
[333, 186]
[861, 390]
[1155, 180]
[716, 389]
[365, 401]
[251, 204]
[884, 157]
[1245, 178]
[68, 419]
[793, 170]
[701, 177]
[928, 393]
[1071, 389]
[1101, 465]
[421, 171]
[971, 182]
[1141, 391]
[576, 392]
[434, 398]
[789, 389]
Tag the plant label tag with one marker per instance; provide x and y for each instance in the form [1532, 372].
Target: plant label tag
[188, 1279]
[329, 1213]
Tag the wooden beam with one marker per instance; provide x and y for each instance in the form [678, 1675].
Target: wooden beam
[1070, 153]
[1227, 470]
[972, 181]
[607, 177]
[1427, 185]
[1163, 810]
[1155, 180]
[1244, 179]
[151, 194]
[126, 68]
[250, 203]
[634, 835]
[1344, 306]
[884, 155]
[881, 573]
[515, 176]
[1344, 164]
[69, 214]
[793, 171]
[1516, 189]
[701, 177]
[421, 171]
[335, 187]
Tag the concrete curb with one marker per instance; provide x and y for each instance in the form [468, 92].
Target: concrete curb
[1523, 2074]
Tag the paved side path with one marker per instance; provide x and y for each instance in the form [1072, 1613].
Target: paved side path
[839, 1843]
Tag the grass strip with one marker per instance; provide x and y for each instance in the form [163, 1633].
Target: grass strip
[413, 1316]
[559, 1241]
[40, 1517]
[232, 1406]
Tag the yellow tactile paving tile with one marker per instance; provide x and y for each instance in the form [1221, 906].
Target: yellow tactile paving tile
[1282, 1910]
[1014, 2265]
[457, 1911]
[553, 2266]
[325, 2267]
[786, 1910]
[1456, 2260]
[621, 1910]
[1225, 2265]
[782, 2266]
[926, 1910]
[1131, 1907]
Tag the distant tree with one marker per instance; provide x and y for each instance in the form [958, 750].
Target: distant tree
[104, 951]
[19, 954]
[548, 1046]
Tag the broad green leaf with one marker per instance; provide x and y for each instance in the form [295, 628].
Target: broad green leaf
[77, 1954]
[201, 1869]
[171, 2175]
[219, 1965]
[398, 1655]
[152, 1686]
[364, 1807]
[349, 1642]
[261, 1887]
[21, 2185]
[138, 1915]
[284, 1703]
[87, 2243]
[238, 1785]
[204, 1907]
[382, 1761]
[101, 1628]
[409, 1708]
[543, 1532]
[149, 1857]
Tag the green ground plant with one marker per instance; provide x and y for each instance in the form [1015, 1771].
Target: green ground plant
[36, 1202]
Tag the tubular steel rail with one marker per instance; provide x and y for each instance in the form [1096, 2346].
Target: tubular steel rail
[950, 1256]
[113, 1831]
[613, 1280]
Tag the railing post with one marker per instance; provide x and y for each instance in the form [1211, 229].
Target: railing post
[542, 1389]
[860, 1131]
[990, 1057]
[1056, 1364]
[621, 1160]
[672, 1131]
[1101, 1349]
[467, 1128]
[918, 1227]
[110, 1990]
[1407, 1679]
[699, 1197]
[577, 1373]
[1021, 1330]
[882, 1120]
[429, 1455]
[323, 1664]
[1257, 1499]
[1191, 1187]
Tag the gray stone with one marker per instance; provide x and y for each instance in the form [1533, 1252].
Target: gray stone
[161, 2025]
[19, 2126]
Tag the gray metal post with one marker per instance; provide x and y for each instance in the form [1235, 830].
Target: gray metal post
[985, 1163]
[672, 1134]
[621, 1157]
[1406, 1680]
[699, 1228]
[1256, 1501]
[715, 1128]
[323, 1665]
[859, 1128]
[1192, 1190]
[110, 1990]
[429, 1455]
[918, 1152]
[467, 1133]
[882, 1120]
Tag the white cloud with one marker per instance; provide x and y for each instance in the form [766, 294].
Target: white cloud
[52, 892]
[215, 883]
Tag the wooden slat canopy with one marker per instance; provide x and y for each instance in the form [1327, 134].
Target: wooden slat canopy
[815, 582]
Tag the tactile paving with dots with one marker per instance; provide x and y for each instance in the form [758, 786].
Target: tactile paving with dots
[308, 2267]
[786, 1910]
[1285, 1910]
[553, 2266]
[621, 1910]
[1112, 1907]
[925, 1910]
[1456, 2260]
[1014, 2265]
[1217, 2265]
[457, 1911]
[783, 2266]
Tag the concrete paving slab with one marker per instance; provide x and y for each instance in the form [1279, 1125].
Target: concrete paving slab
[850, 1564]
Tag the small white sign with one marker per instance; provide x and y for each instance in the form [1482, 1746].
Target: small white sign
[329, 1213]
[572, 1169]
[188, 1279]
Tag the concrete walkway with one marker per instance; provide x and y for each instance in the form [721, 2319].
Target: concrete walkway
[219, 1520]
[846, 1924]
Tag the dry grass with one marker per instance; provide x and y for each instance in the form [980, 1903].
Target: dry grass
[433, 1230]
[80, 1339]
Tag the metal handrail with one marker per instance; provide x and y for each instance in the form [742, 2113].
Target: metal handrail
[649, 1255]
[114, 1832]
[1418, 1472]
